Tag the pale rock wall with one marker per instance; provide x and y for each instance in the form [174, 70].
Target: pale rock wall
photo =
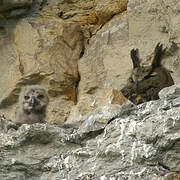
[46, 51]
[44, 48]
[106, 62]
[79, 50]
[76, 49]
[140, 143]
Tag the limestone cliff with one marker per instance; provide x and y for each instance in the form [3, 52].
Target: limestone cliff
[79, 50]
[139, 143]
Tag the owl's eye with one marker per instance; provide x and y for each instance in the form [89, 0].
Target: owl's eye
[26, 97]
[40, 96]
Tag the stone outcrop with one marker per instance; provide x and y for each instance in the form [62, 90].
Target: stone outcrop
[106, 101]
[108, 52]
[140, 142]
[91, 15]
[77, 49]
[80, 52]
[45, 49]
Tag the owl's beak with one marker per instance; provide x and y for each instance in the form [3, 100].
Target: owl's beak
[33, 101]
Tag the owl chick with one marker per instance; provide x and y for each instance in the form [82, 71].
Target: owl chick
[33, 101]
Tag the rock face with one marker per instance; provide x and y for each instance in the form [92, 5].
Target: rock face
[79, 51]
[107, 101]
[47, 53]
[141, 142]
[45, 50]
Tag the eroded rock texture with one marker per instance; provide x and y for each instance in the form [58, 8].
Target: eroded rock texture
[141, 142]
[79, 51]
[76, 49]
[44, 47]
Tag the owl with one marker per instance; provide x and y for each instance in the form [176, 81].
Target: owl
[33, 100]
[145, 83]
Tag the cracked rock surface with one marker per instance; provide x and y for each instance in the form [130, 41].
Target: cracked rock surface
[143, 142]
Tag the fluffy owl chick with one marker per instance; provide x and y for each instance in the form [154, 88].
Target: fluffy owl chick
[33, 101]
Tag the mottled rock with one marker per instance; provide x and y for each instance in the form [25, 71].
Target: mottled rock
[140, 143]
[91, 15]
[170, 176]
[63, 42]
[97, 109]
[50, 48]
[172, 91]
[108, 64]
[47, 54]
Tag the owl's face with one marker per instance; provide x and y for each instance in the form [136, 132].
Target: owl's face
[33, 98]
[140, 73]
